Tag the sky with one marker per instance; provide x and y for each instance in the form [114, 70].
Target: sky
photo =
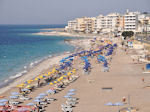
[61, 11]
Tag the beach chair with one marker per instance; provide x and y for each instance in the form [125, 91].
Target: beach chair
[67, 109]
[66, 106]
[24, 98]
[43, 103]
[71, 103]
[50, 99]
[14, 103]
[72, 98]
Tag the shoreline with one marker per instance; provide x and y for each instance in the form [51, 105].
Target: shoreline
[59, 33]
[40, 67]
[29, 75]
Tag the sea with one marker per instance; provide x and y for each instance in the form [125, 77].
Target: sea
[21, 50]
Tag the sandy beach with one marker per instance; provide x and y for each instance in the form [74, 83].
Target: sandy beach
[97, 88]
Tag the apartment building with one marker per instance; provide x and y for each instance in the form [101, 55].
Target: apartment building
[143, 23]
[71, 26]
[84, 24]
[110, 23]
[113, 22]
[131, 21]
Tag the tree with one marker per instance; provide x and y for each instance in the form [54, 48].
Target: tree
[145, 12]
[126, 34]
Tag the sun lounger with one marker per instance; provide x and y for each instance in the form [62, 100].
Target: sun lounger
[72, 98]
[43, 103]
[24, 98]
[50, 99]
[67, 109]
[71, 103]
[14, 102]
[65, 106]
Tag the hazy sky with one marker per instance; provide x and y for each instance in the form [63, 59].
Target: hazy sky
[60, 11]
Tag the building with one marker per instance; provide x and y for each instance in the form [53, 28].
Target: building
[110, 23]
[113, 22]
[143, 23]
[131, 21]
[84, 24]
[71, 26]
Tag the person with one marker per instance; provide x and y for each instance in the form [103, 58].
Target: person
[124, 99]
[143, 68]
[20, 90]
[142, 79]
[38, 82]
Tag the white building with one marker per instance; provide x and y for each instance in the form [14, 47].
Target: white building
[143, 23]
[107, 23]
[131, 21]
[71, 26]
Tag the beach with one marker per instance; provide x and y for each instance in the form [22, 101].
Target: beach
[98, 87]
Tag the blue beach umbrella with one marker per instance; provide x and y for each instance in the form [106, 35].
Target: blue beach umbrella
[49, 91]
[118, 104]
[37, 100]
[43, 94]
[70, 93]
[39, 97]
[30, 104]
[2, 104]
[67, 96]
[15, 93]
[3, 100]
[109, 104]
[72, 90]
[24, 89]
[13, 97]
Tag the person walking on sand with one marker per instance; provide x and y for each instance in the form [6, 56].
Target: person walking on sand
[143, 79]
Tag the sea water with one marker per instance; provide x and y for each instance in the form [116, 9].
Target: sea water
[21, 50]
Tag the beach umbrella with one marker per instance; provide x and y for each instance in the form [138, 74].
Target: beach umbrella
[30, 80]
[50, 83]
[19, 86]
[29, 86]
[2, 104]
[14, 97]
[3, 100]
[23, 109]
[67, 96]
[118, 104]
[55, 82]
[25, 89]
[37, 78]
[43, 94]
[15, 93]
[72, 90]
[39, 97]
[30, 104]
[70, 93]
[37, 100]
[49, 91]
[109, 104]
